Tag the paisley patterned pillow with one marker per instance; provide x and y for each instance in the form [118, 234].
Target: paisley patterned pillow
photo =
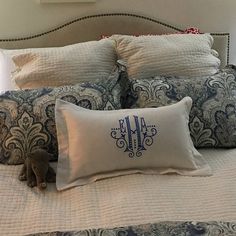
[27, 119]
[212, 120]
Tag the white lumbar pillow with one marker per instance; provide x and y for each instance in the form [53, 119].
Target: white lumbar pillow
[175, 54]
[99, 144]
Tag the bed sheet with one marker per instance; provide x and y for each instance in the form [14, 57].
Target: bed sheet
[120, 201]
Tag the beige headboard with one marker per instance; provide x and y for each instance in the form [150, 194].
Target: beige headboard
[91, 27]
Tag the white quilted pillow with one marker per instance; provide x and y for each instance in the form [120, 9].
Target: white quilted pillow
[175, 54]
[50, 67]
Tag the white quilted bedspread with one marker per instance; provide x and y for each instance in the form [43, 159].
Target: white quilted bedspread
[120, 201]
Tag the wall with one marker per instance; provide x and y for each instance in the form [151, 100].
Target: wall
[22, 17]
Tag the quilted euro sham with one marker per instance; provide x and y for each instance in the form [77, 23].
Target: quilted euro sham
[58, 66]
[174, 55]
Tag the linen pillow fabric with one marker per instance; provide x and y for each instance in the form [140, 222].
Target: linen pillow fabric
[98, 144]
[212, 120]
[6, 66]
[27, 119]
[174, 54]
[51, 67]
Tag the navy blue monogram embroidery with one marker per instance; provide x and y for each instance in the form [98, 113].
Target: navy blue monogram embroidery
[133, 137]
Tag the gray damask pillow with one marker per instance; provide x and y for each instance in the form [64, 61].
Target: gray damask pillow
[27, 119]
[212, 120]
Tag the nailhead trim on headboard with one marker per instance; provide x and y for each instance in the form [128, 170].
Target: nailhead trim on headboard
[107, 15]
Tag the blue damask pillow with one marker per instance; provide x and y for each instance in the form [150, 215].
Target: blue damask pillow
[212, 119]
[27, 119]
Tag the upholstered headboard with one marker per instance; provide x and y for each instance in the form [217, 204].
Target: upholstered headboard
[91, 27]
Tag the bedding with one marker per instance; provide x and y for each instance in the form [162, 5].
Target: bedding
[163, 229]
[148, 141]
[27, 119]
[212, 121]
[57, 66]
[126, 205]
[6, 66]
[175, 54]
[121, 201]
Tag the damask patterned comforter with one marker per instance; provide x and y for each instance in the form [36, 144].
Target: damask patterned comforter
[159, 229]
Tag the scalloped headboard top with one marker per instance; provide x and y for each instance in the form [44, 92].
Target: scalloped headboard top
[91, 27]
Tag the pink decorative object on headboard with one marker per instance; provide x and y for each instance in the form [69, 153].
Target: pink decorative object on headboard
[192, 30]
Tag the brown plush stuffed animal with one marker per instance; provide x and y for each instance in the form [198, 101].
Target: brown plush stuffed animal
[36, 170]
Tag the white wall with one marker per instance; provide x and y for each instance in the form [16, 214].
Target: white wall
[22, 17]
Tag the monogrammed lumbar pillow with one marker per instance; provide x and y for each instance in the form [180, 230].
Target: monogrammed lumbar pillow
[99, 144]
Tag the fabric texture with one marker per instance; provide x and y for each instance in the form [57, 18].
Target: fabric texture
[212, 121]
[174, 54]
[170, 228]
[51, 67]
[6, 66]
[95, 145]
[122, 201]
[27, 119]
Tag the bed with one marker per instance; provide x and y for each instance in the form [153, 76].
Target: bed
[133, 204]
